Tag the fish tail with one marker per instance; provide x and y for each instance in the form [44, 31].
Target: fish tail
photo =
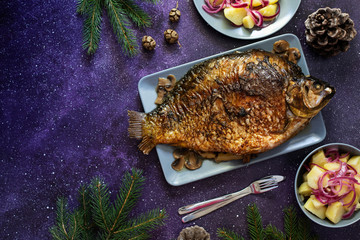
[136, 123]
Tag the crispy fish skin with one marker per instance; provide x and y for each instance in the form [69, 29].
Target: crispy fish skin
[242, 103]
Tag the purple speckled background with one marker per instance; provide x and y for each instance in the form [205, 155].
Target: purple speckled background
[64, 116]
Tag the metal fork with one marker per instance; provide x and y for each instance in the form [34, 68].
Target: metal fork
[200, 209]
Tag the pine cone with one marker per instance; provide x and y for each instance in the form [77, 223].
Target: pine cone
[329, 31]
[194, 233]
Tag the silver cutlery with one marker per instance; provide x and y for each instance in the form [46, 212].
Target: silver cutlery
[200, 209]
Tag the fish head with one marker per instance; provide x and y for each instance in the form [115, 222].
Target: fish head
[306, 97]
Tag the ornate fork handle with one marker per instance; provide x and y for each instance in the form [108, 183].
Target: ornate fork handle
[196, 206]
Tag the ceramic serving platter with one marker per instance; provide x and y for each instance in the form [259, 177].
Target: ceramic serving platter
[224, 26]
[314, 133]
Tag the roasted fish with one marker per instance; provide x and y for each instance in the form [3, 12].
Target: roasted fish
[241, 104]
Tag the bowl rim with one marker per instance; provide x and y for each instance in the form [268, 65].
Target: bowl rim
[322, 222]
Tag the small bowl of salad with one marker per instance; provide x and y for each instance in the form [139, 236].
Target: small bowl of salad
[327, 185]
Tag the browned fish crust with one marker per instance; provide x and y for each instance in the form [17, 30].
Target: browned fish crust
[234, 103]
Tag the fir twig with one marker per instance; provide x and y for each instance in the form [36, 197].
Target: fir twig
[67, 225]
[295, 229]
[228, 235]
[100, 202]
[254, 220]
[272, 233]
[81, 6]
[98, 218]
[92, 24]
[290, 222]
[121, 25]
[135, 13]
[144, 223]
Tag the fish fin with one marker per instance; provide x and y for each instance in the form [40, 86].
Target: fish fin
[136, 122]
[146, 145]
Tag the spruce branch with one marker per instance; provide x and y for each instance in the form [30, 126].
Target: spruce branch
[98, 218]
[81, 6]
[144, 223]
[67, 225]
[135, 13]
[100, 203]
[272, 233]
[290, 222]
[92, 25]
[254, 220]
[295, 229]
[128, 195]
[228, 235]
[121, 27]
[120, 13]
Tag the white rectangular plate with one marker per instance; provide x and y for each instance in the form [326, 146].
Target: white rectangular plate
[314, 133]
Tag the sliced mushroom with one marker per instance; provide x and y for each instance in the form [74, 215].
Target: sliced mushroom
[293, 54]
[281, 46]
[193, 161]
[179, 162]
[172, 80]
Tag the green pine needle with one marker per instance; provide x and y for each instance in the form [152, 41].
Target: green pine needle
[254, 220]
[81, 6]
[295, 229]
[272, 233]
[120, 13]
[121, 25]
[290, 222]
[67, 225]
[92, 25]
[98, 218]
[228, 235]
[135, 13]
[144, 223]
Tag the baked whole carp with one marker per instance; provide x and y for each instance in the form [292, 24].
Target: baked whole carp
[240, 104]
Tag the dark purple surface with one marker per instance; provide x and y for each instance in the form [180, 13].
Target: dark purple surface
[64, 116]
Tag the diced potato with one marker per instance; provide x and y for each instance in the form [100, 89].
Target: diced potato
[319, 158]
[357, 186]
[313, 177]
[235, 15]
[217, 2]
[269, 10]
[332, 166]
[343, 190]
[335, 211]
[355, 163]
[305, 176]
[304, 189]
[348, 199]
[344, 159]
[248, 22]
[256, 3]
[319, 212]
[317, 203]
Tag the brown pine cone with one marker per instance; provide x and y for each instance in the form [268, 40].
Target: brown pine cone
[171, 36]
[194, 233]
[148, 43]
[329, 31]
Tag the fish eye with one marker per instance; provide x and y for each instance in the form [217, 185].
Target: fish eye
[317, 86]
